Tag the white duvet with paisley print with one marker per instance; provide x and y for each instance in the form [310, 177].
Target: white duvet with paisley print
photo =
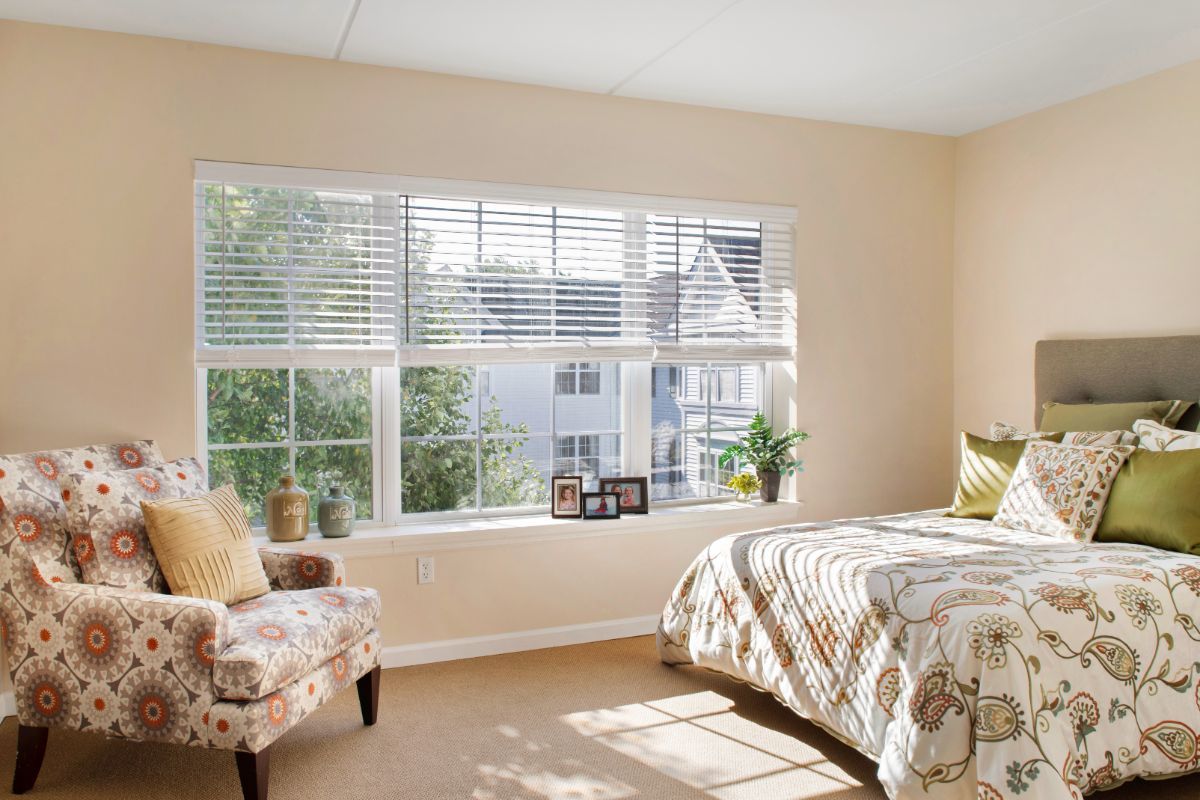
[972, 662]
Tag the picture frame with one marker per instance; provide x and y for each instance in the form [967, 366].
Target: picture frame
[635, 499]
[564, 508]
[601, 505]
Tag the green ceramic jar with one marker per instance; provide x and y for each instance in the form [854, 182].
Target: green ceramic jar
[335, 514]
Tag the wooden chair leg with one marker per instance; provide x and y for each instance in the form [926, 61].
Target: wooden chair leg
[31, 749]
[254, 770]
[368, 696]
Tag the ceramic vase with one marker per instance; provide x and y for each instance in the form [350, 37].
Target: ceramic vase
[769, 493]
[335, 514]
[287, 511]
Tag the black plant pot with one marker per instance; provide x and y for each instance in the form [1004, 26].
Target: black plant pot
[769, 493]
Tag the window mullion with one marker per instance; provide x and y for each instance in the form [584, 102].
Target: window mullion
[478, 443]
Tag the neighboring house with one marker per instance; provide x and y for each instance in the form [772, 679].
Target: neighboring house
[587, 396]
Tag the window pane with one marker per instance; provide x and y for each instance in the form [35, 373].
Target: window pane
[737, 400]
[678, 466]
[684, 409]
[596, 410]
[593, 456]
[516, 472]
[333, 404]
[564, 379]
[518, 400]
[247, 406]
[253, 472]
[437, 476]
[437, 401]
[348, 466]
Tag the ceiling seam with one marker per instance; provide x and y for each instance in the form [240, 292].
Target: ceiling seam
[661, 55]
[346, 26]
[994, 48]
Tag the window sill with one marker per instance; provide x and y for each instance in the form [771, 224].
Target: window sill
[500, 531]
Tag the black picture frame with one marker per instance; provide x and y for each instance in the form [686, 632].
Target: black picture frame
[618, 485]
[573, 481]
[611, 502]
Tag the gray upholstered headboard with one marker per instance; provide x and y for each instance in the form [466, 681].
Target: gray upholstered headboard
[1119, 370]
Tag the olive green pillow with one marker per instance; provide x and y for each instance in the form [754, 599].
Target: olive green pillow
[1110, 416]
[1155, 500]
[987, 468]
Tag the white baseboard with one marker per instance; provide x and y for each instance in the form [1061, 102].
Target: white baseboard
[406, 655]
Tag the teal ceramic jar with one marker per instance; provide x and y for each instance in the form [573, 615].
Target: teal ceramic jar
[335, 514]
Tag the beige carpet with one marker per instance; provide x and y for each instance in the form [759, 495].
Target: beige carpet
[593, 722]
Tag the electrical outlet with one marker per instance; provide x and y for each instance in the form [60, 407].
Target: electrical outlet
[425, 569]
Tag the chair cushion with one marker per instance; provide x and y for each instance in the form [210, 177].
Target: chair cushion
[31, 505]
[278, 637]
[108, 532]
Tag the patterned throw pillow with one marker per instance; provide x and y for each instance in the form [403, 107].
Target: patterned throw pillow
[1003, 432]
[1060, 489]
[1164, 439]
[105, 516]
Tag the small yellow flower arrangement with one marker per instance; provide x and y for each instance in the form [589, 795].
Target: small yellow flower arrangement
[744, 484]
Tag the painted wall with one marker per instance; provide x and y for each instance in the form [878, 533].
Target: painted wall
[96, 238]
[1076, 221]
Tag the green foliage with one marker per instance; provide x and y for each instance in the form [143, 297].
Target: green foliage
[765, 451]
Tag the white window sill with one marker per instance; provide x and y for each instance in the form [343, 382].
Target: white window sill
[466, 534]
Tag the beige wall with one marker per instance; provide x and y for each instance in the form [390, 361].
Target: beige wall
[1082, 220]
[100, 131]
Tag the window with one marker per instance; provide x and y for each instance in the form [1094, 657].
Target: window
[577, 379]
[689, 433]
[440, 346]
[313, 423]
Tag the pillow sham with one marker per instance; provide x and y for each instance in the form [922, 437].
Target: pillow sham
[204, 547]
[1110, 416]
[1155, 502]
[1060, 490]
[108, 533]
[1153, 436]
[987, 467]
[1003, 432]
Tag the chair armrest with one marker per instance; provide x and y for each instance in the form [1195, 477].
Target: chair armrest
[293, 569]
[204, 617]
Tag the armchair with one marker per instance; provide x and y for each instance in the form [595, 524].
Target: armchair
[153, 667]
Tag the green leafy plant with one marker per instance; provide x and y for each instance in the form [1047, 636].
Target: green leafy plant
[744, 484]
[765, 451]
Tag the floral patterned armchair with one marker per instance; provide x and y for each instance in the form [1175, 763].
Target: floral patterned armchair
[154, 667]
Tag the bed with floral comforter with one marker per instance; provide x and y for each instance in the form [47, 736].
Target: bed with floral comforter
[969, 660]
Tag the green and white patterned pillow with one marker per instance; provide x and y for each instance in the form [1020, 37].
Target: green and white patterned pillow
[1163, 439]
[1003, 432]
[1060, 490]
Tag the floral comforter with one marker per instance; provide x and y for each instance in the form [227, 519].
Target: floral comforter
[970, 661]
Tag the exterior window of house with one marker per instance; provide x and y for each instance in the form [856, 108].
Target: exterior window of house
[580, 378]
[447, 347]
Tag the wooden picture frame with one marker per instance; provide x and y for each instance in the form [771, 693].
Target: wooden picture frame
[609, 501]
[559, 509]
[635, 499]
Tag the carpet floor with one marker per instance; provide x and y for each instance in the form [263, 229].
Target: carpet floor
[591, 722]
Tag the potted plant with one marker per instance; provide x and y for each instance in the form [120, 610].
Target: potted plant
[770, 455]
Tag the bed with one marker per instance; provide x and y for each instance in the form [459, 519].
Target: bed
[969, 660]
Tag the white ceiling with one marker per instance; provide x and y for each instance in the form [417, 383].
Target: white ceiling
[942, 66]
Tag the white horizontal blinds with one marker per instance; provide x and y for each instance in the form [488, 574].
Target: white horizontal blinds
[512, 280]
[721, 288]
[290, 276]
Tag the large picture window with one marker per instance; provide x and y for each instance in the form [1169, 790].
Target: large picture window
[446, 347]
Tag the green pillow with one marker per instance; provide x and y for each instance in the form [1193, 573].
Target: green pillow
[1110, 416]
[987, 468]
[1155, 500]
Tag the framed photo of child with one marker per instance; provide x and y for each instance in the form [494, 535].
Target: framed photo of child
[632, 493]
[601, 505]
[566, 496]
